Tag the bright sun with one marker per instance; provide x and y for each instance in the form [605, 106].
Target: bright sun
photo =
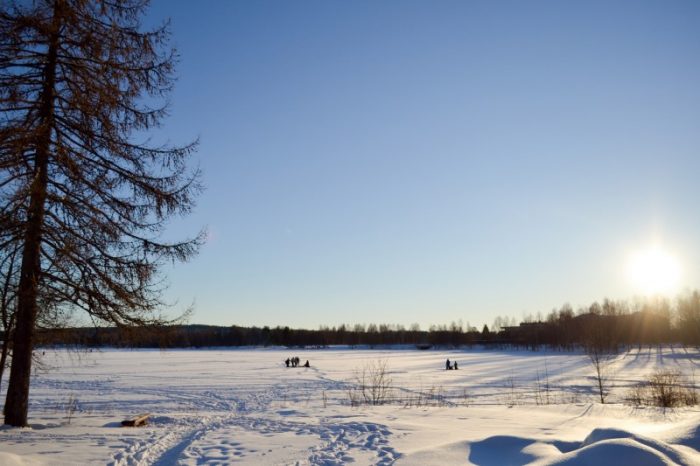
[654, 271]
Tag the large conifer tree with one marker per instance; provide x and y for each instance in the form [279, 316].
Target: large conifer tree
[82, 196]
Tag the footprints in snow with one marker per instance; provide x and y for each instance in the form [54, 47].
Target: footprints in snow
[224, 452]
[210, 440]
[341, 440]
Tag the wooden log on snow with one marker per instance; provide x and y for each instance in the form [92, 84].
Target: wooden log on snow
[139, 420]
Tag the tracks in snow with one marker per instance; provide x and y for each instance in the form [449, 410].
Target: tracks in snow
[340, 440]
[210, 438]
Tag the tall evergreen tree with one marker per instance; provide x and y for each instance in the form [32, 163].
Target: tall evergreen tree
[84, 195]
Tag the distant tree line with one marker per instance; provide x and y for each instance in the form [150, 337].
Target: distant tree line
[612, 324]
[607, 324]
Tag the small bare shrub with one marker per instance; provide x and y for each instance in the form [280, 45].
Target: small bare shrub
[512, 397]
[670, 389]
[570, 398]
[466, 398]
[665, 389]
[371, 384]
[71, 407]
[547, 399]
[539, 391]
[542, 389]
[636, 395]
[436, 396]
[601, 356]
[354, 396]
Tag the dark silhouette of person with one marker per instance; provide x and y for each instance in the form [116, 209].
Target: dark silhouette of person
[456, 365]
[447, 365]
[287, 362]
[306, 364]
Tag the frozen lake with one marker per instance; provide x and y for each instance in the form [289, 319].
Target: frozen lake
[220, 406]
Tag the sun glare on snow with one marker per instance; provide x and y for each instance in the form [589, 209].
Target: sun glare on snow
[654, 271]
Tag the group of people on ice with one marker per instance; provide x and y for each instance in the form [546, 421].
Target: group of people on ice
[449, 366]
[294, 362]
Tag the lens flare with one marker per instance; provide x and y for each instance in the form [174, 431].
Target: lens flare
[654, 271]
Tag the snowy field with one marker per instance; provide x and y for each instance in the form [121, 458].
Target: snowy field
[222, 406]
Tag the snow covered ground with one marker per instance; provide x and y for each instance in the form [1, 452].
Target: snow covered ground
[221, 406]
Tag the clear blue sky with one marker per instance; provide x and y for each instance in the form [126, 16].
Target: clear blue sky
[403, 161]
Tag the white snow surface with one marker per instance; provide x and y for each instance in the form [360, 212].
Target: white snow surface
[222, 406]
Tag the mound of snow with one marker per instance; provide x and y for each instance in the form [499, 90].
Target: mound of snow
[9, 459]
[450, 453]
[615, 446]
[686, 434]
[600, 448]
[601, 435]
[501, 450]
[613, 452]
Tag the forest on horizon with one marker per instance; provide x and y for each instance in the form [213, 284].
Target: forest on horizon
[609, 324]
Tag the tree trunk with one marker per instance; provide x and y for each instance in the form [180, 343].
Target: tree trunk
[8, 316]
[6, 347]
[17, 401]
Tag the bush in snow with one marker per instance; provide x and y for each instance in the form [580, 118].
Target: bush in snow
[371, 384]
[666, 389]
